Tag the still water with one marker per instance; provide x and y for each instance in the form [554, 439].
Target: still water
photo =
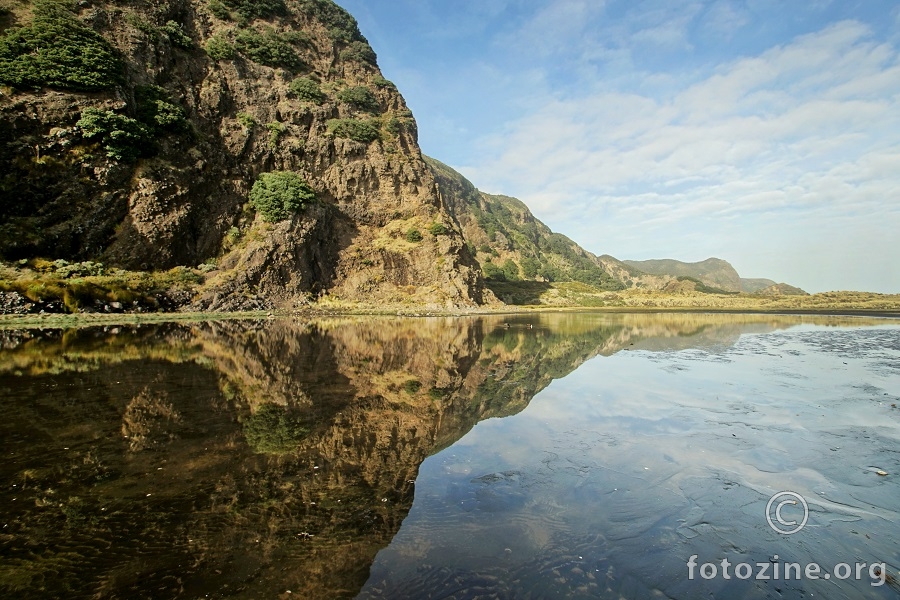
[542, 456]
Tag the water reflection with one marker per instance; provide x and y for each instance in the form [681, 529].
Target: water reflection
[250, 459]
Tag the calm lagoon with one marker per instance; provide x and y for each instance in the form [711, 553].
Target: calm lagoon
[541, 456]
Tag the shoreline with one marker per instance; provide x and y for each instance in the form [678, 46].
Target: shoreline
[75, 320]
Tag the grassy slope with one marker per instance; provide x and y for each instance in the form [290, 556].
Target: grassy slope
[511, 244]
[574, 294]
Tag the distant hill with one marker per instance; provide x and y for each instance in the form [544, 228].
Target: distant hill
[752, 286]
[712, 272]
[510, 243]
[782, 289]
[712, 275]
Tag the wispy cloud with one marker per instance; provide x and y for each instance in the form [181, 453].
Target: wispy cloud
[810, 127]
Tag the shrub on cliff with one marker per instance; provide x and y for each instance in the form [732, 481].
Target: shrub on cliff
[219, 48]
[359, 97]
[175, 32]
[279, 194]
[56, 50]
[341, 24]
[156, 110]
[354, 129]
[122, 138]
[307, 90]
[248, 10]
[359, 51]
[268, 47]
[437, 229]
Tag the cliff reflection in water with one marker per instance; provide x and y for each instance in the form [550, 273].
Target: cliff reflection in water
[246, 459]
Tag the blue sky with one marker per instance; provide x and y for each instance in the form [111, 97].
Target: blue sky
[763, 132]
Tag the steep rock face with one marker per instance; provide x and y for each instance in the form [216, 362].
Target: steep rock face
[217, 119]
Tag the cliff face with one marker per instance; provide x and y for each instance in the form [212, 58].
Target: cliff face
[141, 152]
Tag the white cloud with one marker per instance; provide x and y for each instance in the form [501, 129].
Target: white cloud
[810, 128]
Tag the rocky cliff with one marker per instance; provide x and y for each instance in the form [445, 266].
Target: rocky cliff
[134, 134]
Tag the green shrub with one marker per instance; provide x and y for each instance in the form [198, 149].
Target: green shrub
[219, 10]
[123, 138]
[268, 48]
[359, 97]
[354, 129]
[276, 130]
[156, 110]
[492, 272]
[413, 235]
[381, 82]
[279, 194]
[307, 90]
[256, 9]
[175, 32]
[341, 24]
[412, 386]
[272, 429]
[247, 120]
[511, 270]
[359, 51]
[437, 229]
[56, 50]
[530, 267]
[393, 126]
[219, 48]
[147, 28]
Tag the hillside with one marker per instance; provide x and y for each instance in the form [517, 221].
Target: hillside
[713, 272]
[754, 285]
[256, 140]
[511, 244]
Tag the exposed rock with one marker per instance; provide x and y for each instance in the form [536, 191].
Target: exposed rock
[183, 203]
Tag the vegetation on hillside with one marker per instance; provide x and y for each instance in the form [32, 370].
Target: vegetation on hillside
[57, 50]
[358, 130]
[122, 138]
[307, 90]
[75, 286]
[125, 139]
[511, 244]
[280, 194]
[359, 97]
[271, 48]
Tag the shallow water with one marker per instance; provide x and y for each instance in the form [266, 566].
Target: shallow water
[547, 456]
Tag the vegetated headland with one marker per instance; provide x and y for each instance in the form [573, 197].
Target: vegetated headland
[241, 156]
